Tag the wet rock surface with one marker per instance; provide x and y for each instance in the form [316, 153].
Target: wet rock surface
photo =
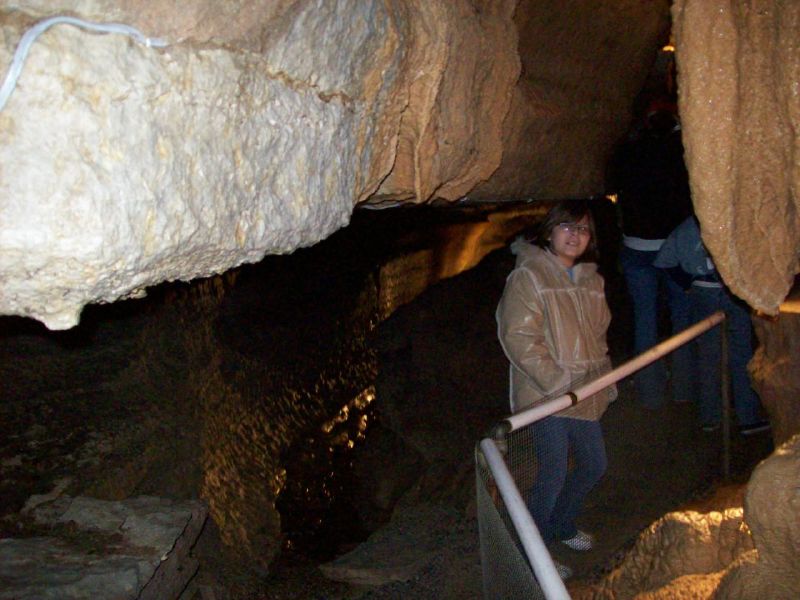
[737, 67]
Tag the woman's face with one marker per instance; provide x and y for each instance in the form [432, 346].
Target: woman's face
[568, 241]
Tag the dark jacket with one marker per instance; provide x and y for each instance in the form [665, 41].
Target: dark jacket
[652, 185]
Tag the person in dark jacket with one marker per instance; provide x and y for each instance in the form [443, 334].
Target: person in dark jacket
[650, 179]
[684, 256]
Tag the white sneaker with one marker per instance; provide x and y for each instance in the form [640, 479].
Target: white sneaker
[581, 541]
[563, 571]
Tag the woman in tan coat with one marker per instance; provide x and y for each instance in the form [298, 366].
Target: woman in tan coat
[552, 323]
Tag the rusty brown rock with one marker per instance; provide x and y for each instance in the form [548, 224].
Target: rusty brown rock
[738, 67]
[459, 72]
[582, 64]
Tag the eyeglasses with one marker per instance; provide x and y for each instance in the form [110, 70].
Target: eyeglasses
[574, 228]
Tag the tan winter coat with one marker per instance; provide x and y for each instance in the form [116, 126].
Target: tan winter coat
[553, 330]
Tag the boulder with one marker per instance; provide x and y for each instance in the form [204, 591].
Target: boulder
[771, 509]
[139, 548]
[741, 554]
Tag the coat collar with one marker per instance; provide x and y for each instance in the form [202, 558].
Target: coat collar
[525, 251]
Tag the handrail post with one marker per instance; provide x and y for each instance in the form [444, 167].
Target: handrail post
[726, 403]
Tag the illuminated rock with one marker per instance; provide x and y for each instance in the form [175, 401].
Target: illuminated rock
[738, 67]
[124, 166]
[260, 126]
[750, 553]
[680, 550]
[771, 507]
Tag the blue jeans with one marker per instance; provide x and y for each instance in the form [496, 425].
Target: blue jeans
[706, 301]
[644, 282]
[558, 492]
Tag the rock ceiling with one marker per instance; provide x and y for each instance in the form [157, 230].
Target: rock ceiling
[259, 126]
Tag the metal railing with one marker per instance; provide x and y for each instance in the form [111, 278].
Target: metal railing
[491, 459]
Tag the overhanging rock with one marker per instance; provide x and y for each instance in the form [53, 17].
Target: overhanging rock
[260, 126]
[124, 166]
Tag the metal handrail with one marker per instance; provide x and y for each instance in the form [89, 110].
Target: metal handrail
[531, 415]
[538, 556]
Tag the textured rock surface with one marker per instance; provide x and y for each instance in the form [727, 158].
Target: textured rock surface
[132, 165]
[771, 506]
[738, 67]
[775, 375]
[743, 554]
[261, 125]
[677, 546]
[139, 548]
[582, 65]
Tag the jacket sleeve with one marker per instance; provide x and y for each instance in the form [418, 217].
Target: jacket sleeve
[670, 260]
[612, 389]
[521, 330]
[669, 255]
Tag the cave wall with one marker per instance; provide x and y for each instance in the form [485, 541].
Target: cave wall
[738, 68]
[260, 125]
[582, 66]
[774, 372]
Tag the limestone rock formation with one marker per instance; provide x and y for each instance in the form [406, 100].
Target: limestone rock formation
[679, 551]
[738, 67]
[582, 65]
[742, 554]
[771, 508]
[774, 372]
[88, 548]
[260, 125]
[124, 166]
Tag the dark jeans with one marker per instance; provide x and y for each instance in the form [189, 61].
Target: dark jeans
[738, 325]
[644, 281]
[558, 492]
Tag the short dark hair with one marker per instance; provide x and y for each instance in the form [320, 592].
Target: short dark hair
[568, 211]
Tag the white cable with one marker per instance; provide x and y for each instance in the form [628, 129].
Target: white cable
[34, 32]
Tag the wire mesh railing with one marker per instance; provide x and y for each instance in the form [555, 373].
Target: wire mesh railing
[515, 560]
